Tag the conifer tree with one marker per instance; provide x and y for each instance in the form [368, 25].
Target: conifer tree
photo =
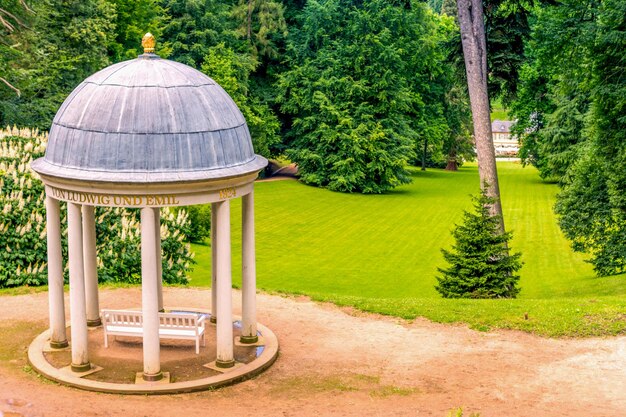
[357, 92]
[480, 265]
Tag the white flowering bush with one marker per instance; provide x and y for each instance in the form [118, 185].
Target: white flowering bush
[22, 220]
[119, 257]
[23, 254]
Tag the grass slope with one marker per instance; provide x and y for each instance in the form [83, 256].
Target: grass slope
[381, 252]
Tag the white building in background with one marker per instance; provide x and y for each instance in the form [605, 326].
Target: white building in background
[504, 141]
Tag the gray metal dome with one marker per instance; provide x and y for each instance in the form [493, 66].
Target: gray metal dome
[149, 120]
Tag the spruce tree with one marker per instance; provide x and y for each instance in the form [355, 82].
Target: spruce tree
[480, 264]
[357, 92]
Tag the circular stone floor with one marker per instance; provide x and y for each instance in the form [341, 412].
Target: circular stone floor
[123, 359]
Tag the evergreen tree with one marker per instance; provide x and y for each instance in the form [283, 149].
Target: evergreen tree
[506, 29]
[132, 20]
[457, 146]
[570, 113]
[480, 265]
[232, 71]
[14, 15]
[67, 41]
[358, 87]
[554, 91]
[586, 216]
[262, 24]
[592, 202]
[194, 26]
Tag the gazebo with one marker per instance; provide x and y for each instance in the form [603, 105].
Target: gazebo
[147, 133]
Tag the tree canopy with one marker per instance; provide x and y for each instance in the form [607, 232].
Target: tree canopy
[570, 110]
[359, 91]
[350, 90]
[356, 91]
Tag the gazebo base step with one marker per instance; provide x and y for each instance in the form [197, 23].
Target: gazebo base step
[213, 366]
[165, 380]
[92, 370]
[260, 342]
[48, 347]
[121, 361]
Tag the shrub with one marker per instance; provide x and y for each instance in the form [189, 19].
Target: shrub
[22, 220]
[119, 241]
[23, 253]
[480, 263]
[199, 224]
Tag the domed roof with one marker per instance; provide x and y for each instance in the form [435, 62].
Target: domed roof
[149, 120]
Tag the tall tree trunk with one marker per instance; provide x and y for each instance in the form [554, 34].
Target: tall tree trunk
[471, 22]
[452, 164]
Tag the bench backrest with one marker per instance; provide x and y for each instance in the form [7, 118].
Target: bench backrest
[178, 320]
[126, 318]
[131, 318]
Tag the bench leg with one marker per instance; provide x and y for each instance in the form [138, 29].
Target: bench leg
[197, 346]
[106, 340]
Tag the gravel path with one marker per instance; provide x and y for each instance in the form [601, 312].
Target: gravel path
[340, 362]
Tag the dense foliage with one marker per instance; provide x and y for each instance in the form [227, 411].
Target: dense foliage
[373, 76]
[199, 225]
[23, 226]
[554, 92]
[119, 241]
[67, 42]
[480, 263]
[22, 220]
[356, 91]
[571, 108]
[507, 27]
[458, 143]
[232, 71]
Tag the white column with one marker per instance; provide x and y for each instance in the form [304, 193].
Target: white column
[159, 261]
[248, 279]
[80, 355]
[225, 357]
[150, 298]
[91, 267]
[58, 337]
[213, 264]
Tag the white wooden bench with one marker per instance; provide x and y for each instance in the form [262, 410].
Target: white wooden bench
[185, 326]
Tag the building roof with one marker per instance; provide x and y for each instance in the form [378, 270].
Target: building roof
[149, 120]
[502, 126]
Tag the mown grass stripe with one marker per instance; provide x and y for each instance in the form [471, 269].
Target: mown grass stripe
[378, 248]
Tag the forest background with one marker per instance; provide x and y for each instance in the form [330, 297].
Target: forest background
[355, 91]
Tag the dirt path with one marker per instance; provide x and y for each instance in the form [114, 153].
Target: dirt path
[287, 172]
[334, 362]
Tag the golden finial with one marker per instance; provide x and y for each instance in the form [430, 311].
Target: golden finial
[148, 43]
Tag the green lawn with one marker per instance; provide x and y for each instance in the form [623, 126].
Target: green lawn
[381, 252]
[498, 112]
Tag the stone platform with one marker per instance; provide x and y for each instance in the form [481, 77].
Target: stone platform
[114, 369]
